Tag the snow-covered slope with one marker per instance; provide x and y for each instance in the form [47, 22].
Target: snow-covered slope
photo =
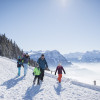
[53, 57]
[21, 88]
[89, 56]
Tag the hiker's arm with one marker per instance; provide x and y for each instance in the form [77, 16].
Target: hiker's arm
[29, 61]
[63, 70]
[33, 71]
[22, 60]
[17, 63]
[46, 63]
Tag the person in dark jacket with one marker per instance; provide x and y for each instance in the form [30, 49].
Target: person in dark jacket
[19, 64]
[60, 69]
[43, 65]
[26, 62]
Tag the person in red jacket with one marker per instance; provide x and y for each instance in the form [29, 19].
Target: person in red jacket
[60, 69]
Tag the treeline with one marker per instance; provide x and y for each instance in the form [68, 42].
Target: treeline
[10, 49]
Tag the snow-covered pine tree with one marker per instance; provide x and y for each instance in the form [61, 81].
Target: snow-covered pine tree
[8, 48]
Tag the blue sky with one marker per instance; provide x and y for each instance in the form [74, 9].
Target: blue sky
[64, 25]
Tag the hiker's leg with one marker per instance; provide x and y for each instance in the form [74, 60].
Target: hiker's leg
[19, 68]
[38, 80]
[42, 74]
[60, 76]
[34, 79]
[25, 68]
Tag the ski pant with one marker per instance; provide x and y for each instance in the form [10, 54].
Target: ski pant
[36, 77]
[25, 69]
[42, 74]
[59, 77]
[19, 68]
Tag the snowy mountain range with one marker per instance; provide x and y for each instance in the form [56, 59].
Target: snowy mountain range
[74, 57]
[13, 87]
[89, 56]
[53, 57]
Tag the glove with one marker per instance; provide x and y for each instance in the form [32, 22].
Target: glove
[33, 73]
[55, 73]
[47, 69]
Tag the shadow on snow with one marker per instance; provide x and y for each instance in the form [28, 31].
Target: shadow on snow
[58, 89]
[32, 91]
[12, 82]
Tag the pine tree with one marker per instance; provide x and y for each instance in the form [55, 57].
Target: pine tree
[8, 48]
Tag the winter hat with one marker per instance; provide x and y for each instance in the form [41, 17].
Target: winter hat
[26, 53]
[19, 57]
[42, 55]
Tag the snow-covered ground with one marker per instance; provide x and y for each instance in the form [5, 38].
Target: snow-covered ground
[83, 72]
[21, 88]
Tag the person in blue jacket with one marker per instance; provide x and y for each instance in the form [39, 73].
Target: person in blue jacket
[43, 65]
[26, 62]
[19, 64]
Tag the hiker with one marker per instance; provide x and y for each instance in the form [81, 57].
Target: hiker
[26, 62]
[19, 64]
[37, 73]
[59, 69]
[43, 65]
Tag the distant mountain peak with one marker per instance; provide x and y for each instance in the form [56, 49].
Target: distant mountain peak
[89, 56]
[53, 57]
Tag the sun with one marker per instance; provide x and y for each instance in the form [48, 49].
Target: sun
[63, 2]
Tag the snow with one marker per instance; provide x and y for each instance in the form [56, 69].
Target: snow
[84, 72]
[21, 88]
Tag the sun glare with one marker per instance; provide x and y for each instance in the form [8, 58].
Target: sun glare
[63, 2]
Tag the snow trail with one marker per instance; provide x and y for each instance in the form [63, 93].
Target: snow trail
[21, 88]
